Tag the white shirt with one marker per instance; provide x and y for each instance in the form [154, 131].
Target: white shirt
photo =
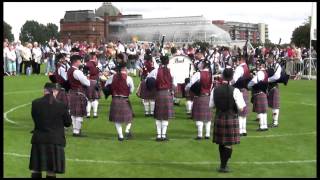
[257, 78]
[37, 54]
[129, 82]
[78, 75]
[131, 51]
[276, 75]
[62, 71]
[154, 73]
[11, 55]
[194, 78]
[237, 96]
[237, 73]
[5, 50]
[121, 48]
[26, 54]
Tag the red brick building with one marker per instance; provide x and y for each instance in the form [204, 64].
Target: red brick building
[87, 25]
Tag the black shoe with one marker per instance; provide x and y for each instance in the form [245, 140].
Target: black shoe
[198, 138]
[223, 170]
[265, 129]
[256, 120]
[128, 135]
[95, 116]
[207, 137]
[158, 139]
[120, 139]
[88, 117]
[241, 134]
[273, 126]
[244, 134]
[78, 135]
[146, 115]
[165, 139]
[260, 129]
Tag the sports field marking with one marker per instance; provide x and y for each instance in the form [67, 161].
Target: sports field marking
[5, 114]
[173, 162]
[22, 92]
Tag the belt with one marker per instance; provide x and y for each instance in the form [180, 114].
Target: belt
[119, 96]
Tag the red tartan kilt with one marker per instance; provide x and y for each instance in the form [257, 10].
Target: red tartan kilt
[77, 104]
[163, 105]
[189, 95]
[91, 91]
[260, 103]
[179, 91]
[245, 110]
[145, 93]
[201, 110]
[273, 98]
[120, 111]
[63, 97]
[226, 130]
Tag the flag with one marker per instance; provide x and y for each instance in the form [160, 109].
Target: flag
[313, 30]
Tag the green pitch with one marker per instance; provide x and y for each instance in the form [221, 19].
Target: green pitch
[286, 151]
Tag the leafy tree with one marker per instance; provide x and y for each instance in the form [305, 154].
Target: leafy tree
[7, 32]
[301, 34]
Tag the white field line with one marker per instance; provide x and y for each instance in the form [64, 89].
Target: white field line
[5, 114]
[174, 162]
[22, 92]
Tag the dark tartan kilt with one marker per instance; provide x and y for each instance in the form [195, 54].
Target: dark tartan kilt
[245, 110]
[273, 98]
[63, 96]
[120, 110]
[260, 104]
[145, 93]
[189, 95]
[226, 130]
[163, 105]
[77, 103]
[179, 91]
[200, 109]
[47, 157]
[91, 91]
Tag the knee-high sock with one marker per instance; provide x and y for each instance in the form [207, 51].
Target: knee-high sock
[240, 124]
[275, 115]
[158, 125]
[199, 125]
[152, 105]
[119, 129]
[89, 108]
[265, 120]
[164, 126]
[261, 120]
[244, 124]
[95, 105]
[146, 106]
[208, 127]
[78, 124]
[189, 106]
[128, 127]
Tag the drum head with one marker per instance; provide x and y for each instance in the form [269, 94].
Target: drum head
[181, 67]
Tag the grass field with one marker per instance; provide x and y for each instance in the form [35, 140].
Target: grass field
[287, 151]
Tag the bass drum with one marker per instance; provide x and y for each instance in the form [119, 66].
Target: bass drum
[181, 67]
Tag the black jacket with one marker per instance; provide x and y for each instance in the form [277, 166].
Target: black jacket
[49, 121]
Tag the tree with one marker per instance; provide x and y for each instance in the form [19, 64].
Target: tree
[301, 34]
[34, 31]
[7, 32]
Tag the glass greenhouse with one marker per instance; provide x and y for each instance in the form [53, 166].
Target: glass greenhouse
[179, 30]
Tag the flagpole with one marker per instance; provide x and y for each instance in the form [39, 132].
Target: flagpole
[310, 42]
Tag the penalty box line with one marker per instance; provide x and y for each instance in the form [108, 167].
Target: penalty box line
[174, 162]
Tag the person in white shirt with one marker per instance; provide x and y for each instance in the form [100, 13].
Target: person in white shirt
[11, 60]
[132, 58]
[27, 58]
[18, 48]
[228, 101]
[5, 51]
[121, 87]
[51, 50]
[273, 95]
[77, 98]
[120, 48]
[259, 84]
[37, 55]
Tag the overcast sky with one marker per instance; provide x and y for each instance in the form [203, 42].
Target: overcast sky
[282, 18]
